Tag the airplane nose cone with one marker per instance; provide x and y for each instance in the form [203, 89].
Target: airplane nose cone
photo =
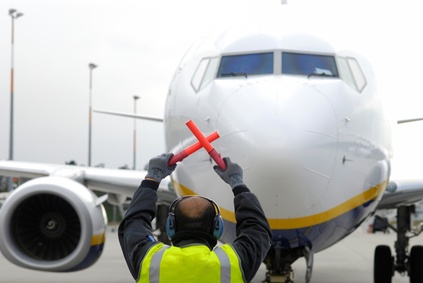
[289, 130]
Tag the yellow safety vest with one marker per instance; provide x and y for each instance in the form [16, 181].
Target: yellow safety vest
[196, 263]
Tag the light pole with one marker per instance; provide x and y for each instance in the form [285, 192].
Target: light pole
[92, 67]
[14, 14]
[135, 131]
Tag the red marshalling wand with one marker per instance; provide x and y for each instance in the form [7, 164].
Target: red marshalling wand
[202, 142]
[206, 144]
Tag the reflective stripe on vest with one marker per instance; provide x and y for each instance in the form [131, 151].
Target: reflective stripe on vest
[190, 264]
[155, 265]
[225, 265]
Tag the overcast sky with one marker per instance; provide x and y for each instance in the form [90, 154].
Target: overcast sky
[138, 44]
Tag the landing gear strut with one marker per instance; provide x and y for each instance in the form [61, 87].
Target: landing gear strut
[279, 260]
[385, 264]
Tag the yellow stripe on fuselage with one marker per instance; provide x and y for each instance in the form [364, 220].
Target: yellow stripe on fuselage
[306, 221]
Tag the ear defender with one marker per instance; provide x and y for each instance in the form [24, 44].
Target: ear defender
[217, 223]
[217, 228]
[170, 225]
[170, 221]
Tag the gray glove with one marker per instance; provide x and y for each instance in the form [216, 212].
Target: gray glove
[233, 175]
[158, 167]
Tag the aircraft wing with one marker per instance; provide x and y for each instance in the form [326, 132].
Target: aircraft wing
[143, 117]
[409, 120]
[59, 208]
[119, 183]
[402, 192]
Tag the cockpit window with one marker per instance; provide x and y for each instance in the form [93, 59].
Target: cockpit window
[359, 77]
[309, 64]
[351, 73]
[199, 73]
[205, 73]
[245, 65]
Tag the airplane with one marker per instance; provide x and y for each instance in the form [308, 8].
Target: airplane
[302, 118]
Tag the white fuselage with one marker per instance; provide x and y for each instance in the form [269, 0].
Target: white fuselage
[314, 149]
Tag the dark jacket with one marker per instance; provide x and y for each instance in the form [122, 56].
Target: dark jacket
[252, 229]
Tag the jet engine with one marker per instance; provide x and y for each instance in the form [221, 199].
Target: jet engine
[53, 224]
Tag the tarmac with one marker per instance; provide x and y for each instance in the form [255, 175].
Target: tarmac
[349, 261]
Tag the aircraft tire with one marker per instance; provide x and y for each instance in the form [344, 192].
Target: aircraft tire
[383, 265]
[416, 260]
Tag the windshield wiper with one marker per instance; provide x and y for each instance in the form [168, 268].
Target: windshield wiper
[320, 75]
[234, 75]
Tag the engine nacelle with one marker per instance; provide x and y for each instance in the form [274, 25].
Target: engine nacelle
[52, 224]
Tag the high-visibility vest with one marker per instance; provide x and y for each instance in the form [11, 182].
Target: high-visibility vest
[196, 263]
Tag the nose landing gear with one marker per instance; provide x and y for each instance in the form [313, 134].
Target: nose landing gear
[385, 264]
[279, 262]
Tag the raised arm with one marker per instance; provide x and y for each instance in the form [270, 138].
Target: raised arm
[252, 228]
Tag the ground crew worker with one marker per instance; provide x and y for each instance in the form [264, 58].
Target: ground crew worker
[194, 225]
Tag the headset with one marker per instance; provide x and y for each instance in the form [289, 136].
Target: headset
[171, 222]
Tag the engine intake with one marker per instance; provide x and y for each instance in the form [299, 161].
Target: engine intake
[46, 227]
[52, 224]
